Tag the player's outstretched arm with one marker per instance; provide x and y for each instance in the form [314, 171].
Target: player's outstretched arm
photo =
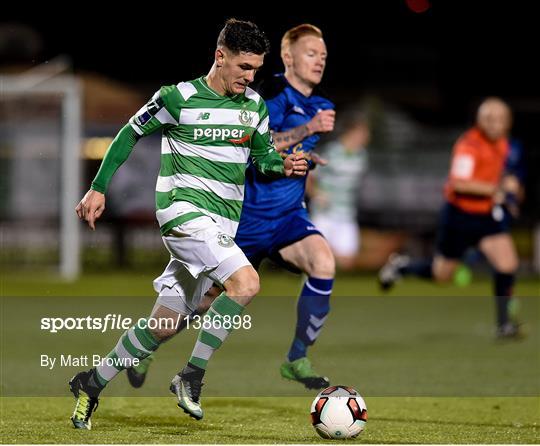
[322, 122]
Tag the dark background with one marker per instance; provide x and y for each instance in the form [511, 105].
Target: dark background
[462, 50]
[436, 65]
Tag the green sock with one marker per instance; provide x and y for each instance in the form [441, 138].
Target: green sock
[136, 342]
[219, 323]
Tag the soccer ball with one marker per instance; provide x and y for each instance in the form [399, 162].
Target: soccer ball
[338, 412]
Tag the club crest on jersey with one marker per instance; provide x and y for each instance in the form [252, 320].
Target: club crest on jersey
[225, 240]
[245, 118]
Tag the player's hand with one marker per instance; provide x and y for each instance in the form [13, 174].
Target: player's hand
[322, 122]
[295, 165]
[318, 159]
[91, 207]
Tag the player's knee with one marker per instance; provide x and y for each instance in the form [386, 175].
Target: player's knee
[506, 263]
[507, 266]
[322, 265]
[443, 275]
[163, 323]
[250, 287]
[243, 284]
[443, 269]
[501, 253]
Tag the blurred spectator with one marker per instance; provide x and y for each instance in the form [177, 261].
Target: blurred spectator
[479, 197]
[334, 188]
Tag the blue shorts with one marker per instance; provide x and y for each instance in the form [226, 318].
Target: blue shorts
[459, 230]
[259, 237]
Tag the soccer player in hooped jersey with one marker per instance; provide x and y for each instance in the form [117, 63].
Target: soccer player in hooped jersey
[274, 221]
[477, 200]
[211, 127]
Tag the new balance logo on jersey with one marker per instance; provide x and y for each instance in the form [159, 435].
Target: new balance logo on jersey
[218, 133]
[203, 116]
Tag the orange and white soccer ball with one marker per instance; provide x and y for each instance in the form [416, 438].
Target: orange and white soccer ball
[339, 412]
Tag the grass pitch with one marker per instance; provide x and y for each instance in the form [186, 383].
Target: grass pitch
[272, 420]
[428, 367]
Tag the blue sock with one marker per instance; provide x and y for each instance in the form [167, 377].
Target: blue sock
[420, 268]
[312, 308]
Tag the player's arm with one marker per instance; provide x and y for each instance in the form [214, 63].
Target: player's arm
[268, 161]
[462, 172]
[150, 118]
[473, 187]
[322, 122]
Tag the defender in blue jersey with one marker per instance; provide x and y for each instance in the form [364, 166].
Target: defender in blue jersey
[274, 213]
[274, 222]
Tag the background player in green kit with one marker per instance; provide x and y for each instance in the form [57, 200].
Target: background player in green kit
[211, 127]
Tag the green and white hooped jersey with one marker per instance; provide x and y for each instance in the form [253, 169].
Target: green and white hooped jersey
[207, 141]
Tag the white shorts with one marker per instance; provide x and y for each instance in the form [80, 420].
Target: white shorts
[201, 254]
[343, 236]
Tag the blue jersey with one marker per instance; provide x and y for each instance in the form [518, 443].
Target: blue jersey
[288, 108]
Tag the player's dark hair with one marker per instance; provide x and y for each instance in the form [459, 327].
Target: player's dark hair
[242, 36]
